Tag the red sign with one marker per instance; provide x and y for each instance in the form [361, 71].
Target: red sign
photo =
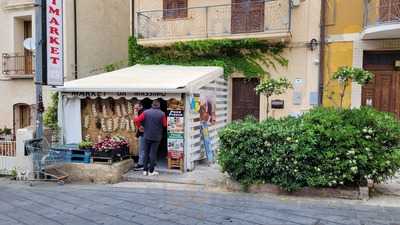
[55, 47]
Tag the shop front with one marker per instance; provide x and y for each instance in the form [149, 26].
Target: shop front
[102, 109]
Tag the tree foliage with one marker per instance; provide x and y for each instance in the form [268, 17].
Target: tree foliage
[345, 75]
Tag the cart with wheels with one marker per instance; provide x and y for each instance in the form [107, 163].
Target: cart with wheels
[47, 162]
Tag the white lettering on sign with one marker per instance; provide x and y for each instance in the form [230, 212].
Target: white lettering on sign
[55, 48]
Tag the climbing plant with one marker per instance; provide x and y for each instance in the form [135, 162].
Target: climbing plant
[250, 57]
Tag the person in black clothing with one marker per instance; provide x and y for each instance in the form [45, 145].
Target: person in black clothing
[154, 121]
[139, 135]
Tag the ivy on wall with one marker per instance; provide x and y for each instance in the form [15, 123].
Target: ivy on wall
[246, 56]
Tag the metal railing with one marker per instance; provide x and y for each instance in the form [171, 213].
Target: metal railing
[263, 17]
[15, 64]
[379, 12]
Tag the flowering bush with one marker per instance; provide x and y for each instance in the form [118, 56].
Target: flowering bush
[322, 148]
[110, 143]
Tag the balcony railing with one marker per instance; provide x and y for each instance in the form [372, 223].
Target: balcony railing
[381, 12]
[18, 65]
[263, 18]
[10, 4]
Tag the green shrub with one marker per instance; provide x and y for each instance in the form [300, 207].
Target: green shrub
[50, 117]
[323, 148]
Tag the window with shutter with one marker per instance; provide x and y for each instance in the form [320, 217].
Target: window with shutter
[174, 9]
[389, 10]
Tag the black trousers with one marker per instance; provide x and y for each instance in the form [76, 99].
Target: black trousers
[150, 154]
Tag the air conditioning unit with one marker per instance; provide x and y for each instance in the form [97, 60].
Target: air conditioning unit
[295, 3]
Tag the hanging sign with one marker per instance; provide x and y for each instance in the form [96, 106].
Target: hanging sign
[55, 45]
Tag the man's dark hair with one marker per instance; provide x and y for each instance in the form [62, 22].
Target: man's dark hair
[156, 103]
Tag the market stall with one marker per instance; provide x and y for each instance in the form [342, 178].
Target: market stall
[103, 106]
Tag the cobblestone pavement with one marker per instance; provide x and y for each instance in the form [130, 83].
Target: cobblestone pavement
[48, 204]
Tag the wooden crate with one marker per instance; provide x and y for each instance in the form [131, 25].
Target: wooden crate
[175, 164]
[175, 160]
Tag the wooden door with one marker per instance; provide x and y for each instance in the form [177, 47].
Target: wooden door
[383, 92]
[245, 101]
[247, 16]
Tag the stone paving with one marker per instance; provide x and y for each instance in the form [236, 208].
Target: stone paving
[139, 203]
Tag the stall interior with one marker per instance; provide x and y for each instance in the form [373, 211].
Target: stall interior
[102, 118]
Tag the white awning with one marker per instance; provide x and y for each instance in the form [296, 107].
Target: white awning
[146, 78]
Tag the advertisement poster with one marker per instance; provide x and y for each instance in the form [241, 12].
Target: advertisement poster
[176, 131]
[207, 108]
[207, 118]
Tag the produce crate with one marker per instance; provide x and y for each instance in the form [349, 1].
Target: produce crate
[111, 156]
[72, 153]
[78, 156]
[175, 160]
[108, 160]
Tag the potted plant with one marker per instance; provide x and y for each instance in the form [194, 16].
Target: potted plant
[86, 144]
[112, 147]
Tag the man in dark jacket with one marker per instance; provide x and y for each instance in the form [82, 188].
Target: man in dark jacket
[154, 121]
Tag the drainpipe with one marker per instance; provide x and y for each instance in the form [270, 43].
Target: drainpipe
[133, 17]
[75, 42]
[322, 52]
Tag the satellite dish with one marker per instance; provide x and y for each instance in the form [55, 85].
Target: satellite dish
[29, 44]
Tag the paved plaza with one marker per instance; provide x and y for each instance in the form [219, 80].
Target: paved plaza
[159, 204]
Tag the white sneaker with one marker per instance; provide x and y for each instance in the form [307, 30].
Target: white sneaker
[145, 173]
[154, 173]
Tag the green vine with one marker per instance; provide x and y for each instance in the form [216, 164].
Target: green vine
[250, 57]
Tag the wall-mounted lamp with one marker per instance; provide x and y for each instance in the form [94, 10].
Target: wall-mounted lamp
[313, 44]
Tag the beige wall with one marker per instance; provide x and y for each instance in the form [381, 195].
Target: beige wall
[303, 63]
[103, 31]
[11, 38]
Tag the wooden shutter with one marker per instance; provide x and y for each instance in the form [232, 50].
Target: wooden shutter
[175, 9]
[239, 16]
[389, 10]
[255, 21]
[247, 16]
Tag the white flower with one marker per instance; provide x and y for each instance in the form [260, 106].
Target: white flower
[354, 169]
[288, 138]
